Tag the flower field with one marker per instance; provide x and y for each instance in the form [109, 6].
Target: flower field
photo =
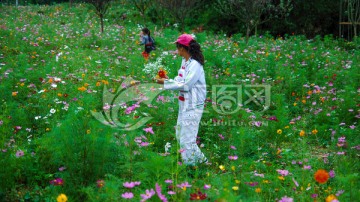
[81, 118]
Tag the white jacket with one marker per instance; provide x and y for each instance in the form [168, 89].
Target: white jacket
[191, 84]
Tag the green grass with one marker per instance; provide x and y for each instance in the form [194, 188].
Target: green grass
[54, 65]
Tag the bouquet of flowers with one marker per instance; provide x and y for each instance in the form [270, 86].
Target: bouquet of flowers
[156, 68]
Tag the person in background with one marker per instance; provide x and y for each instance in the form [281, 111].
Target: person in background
[191, 85]
[145, 39]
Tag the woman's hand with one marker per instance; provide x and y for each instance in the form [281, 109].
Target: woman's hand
[160, 80]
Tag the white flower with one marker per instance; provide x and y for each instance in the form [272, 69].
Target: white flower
[52, 111]
[167, 147]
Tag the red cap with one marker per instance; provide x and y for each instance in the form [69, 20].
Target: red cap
[184, 39]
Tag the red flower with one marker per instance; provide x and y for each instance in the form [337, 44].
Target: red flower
[198, 196]
[321, 176]
[162, 73]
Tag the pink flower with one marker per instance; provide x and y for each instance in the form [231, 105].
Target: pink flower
[19, 153]
[233, 147]
[149, 130]
[221, 136]
[286, 199]
[168, 181]
[144, 144]
[127, 195]
[233, 157]
[184, 185]
[295, 182]
[171, 192]
[283, 172]
[307, 167]
[160, 195]
[207, 186]
[131, 184]
[148, 194]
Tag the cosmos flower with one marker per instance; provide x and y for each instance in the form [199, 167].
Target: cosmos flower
[321, 176]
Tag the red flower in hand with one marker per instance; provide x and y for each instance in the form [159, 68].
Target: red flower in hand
[162, 73]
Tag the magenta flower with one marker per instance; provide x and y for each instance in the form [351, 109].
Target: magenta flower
[57, 182]
[127, 195]
[19, 153]
[171, 192]
[332, 173]
[233, 147]
[149, 130]
[207, 186]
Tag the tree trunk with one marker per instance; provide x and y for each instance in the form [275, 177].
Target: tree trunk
[17, 3]
[102, 24]
[355, 30]
[70, 3]
[247, 33]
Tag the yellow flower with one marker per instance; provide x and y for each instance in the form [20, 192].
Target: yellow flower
[88, 131]
[61, 198]
[98, 83]
[314, 131]
[281, 177]
[82, 88]
[235, 188]
[266, 181]
[59, 94]
[14, 93]
[279, 131]
[287, 126]
[330, 198]
[222, 167]
[303, 101]
[302, 133]
[295, 104]
[233, 168]
[237, 181]
[257, 190]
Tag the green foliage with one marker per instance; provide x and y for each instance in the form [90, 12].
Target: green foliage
[55, 68]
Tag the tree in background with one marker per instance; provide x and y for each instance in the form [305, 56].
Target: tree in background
[101, 8]
[142, 6]
[353, 10]
[180, 9]
[253, 13]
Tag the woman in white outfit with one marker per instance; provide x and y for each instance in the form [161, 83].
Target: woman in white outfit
[191, 85]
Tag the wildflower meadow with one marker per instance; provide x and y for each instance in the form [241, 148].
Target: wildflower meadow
[81, 118]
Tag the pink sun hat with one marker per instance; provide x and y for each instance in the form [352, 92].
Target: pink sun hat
[184, 39]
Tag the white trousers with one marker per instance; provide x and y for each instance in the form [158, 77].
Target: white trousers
[187, 128]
